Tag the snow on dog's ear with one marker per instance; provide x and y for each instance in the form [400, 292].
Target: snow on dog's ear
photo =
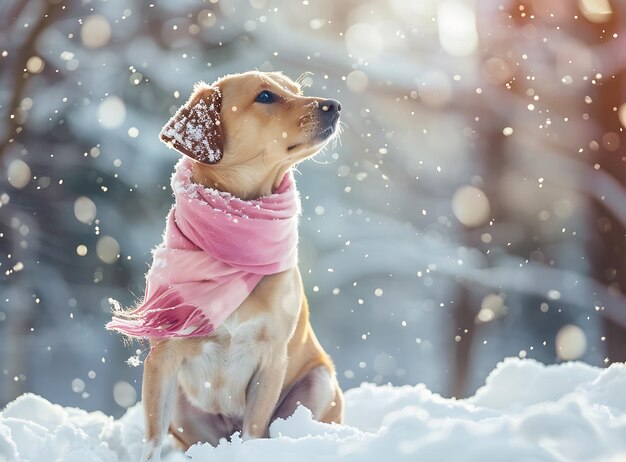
[195, 129]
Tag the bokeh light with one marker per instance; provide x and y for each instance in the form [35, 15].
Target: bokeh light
[95, 31]
[492, 307]
[108, 249]
[84, 209]
[18, 173]
[35, 64]
[112, 112]
[124, 394]
[357, 81]
[571, 342]
[470, 206]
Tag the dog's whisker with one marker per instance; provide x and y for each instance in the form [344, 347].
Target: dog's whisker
[303, 76]
[337, 139]
[326, 162]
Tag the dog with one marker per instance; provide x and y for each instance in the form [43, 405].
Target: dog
[247, 132]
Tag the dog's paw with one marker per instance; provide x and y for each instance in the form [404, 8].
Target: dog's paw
[151, 452]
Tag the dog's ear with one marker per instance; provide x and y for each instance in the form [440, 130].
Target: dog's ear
[195, 130]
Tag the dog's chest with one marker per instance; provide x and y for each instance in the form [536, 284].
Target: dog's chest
[216, 380]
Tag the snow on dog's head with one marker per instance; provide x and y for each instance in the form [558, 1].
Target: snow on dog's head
[195, 130]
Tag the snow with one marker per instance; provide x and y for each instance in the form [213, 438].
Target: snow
[193, 130]
[525, 412]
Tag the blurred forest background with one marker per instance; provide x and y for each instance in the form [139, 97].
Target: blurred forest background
[475, 208]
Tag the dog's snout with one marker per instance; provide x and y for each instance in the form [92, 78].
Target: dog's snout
[330, 106]
[328, 118]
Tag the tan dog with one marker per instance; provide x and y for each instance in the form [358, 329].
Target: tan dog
[265, 359]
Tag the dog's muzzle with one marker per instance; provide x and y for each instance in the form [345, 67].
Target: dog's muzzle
[328, 117]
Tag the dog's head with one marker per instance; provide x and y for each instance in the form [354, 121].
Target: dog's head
[260, 118]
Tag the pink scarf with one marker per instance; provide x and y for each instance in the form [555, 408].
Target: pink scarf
[216, 248]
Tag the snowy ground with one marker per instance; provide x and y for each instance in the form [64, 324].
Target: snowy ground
[525, 412]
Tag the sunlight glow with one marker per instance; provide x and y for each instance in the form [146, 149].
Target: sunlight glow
[364, 41]
[622, 114]
[435, 88]
[457, 28]
[598, 11]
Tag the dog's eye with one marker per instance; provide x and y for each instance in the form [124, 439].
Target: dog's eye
[265, 97]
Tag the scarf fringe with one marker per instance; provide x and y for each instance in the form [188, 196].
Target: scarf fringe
[172, 318]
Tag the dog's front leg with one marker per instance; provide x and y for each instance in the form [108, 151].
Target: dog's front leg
[262, 396]
[158, 393]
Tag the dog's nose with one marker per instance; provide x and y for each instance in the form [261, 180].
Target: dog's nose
[331, 106]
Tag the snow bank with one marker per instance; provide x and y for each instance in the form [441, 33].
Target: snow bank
[525, 412]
